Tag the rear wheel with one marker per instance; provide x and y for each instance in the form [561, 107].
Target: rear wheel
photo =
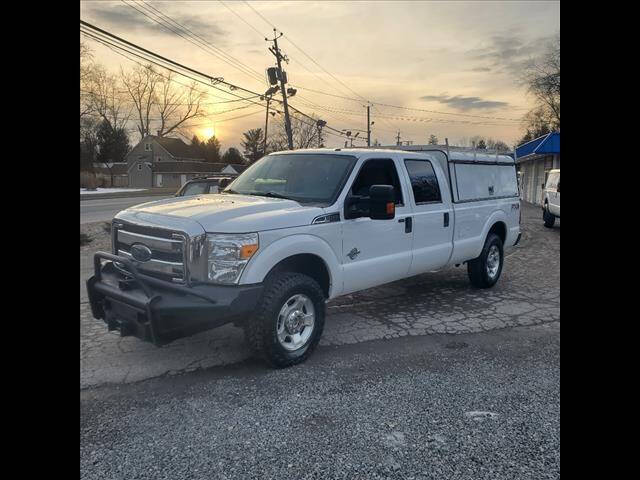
[548, 217]
[289, 320]
[485, 270]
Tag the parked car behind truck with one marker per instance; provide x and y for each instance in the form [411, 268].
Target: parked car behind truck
[297, 229]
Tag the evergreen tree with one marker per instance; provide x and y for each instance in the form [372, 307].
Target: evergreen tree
[113, 143]
[433, 140]
[232, 155]
[212, 150]
[253, 143]
[197, 147]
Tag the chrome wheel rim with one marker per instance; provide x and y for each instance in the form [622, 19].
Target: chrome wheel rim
[296, 322]
[493, 261]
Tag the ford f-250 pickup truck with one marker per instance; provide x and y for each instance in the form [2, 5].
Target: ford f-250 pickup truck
[295, 230]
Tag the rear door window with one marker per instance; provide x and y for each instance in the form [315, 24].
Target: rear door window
[423, 181]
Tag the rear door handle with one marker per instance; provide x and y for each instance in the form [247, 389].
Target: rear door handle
[446, 219]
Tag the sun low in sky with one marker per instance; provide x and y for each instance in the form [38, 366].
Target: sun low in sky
[205, 133]
[444, 68]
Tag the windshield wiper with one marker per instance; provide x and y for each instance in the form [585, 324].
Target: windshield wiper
[271, 194]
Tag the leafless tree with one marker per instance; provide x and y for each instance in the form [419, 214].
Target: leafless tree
[87, 70]
[108, 98]
[304, 131]
[154, 93]
[177, 105]
[141, 84]
[542, 79]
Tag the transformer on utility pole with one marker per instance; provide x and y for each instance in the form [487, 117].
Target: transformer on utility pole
[320, 124]
[282, 77]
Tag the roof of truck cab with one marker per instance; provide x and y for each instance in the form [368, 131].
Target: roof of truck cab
[359, 152]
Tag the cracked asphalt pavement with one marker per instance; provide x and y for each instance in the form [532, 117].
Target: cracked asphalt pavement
[528, 293]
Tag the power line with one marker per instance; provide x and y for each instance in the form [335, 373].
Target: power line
[407, 108]
[200, 44]
[259, 76]
[213, 80]
[118, 47]
[129, 45]
[242, 18]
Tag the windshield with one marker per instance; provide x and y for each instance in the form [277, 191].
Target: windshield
[304, 177]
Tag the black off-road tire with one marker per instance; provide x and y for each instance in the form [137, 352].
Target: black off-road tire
[261, 330]
[548, 217]
[477, 268]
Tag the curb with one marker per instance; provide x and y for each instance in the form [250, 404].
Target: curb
[142, 193]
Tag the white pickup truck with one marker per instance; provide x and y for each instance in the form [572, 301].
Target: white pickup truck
[296, 229]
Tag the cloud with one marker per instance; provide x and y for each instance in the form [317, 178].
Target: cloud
[126, 18]
[481, 69]
[465, 103]
[509, 52]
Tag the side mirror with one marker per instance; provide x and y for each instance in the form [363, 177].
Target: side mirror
[382, 202]
[223, 183]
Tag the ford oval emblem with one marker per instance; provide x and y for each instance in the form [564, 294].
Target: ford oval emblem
[140, 252]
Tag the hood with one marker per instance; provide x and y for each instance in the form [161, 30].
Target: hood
[227, 213]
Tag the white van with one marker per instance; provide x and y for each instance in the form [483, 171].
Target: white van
[551, 199]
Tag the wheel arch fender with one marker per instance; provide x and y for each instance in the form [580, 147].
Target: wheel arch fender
[497, 220]
[297, 244]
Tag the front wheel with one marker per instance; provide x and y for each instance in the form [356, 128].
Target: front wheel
[289, 320]
[485, 270]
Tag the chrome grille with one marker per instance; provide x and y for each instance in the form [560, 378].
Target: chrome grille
[167, 250]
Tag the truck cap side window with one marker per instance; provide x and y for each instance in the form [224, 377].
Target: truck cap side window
[423, 181]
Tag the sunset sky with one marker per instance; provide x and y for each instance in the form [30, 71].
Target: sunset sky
[458, 58]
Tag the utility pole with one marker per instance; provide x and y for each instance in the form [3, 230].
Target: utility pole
[368, 126]
[266, 124]
[398, 138]
[267, 96]
[281, 76]
[320, 124]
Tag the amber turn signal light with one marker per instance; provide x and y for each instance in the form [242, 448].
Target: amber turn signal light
[391, 208]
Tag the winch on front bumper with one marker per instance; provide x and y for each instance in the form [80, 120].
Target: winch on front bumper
[158, 311]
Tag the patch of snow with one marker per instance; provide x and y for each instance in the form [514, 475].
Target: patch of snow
[84, 191]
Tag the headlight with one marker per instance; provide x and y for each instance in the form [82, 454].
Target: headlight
[228, 255]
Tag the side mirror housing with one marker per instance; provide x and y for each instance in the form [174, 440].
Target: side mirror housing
[382, 202]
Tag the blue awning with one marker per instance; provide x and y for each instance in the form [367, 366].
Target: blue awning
[547, 144]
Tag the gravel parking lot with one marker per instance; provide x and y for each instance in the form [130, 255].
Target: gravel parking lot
[528, 293]
[469, 406]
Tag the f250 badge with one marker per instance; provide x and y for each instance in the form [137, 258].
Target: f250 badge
[353, 253]
[515, 206]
